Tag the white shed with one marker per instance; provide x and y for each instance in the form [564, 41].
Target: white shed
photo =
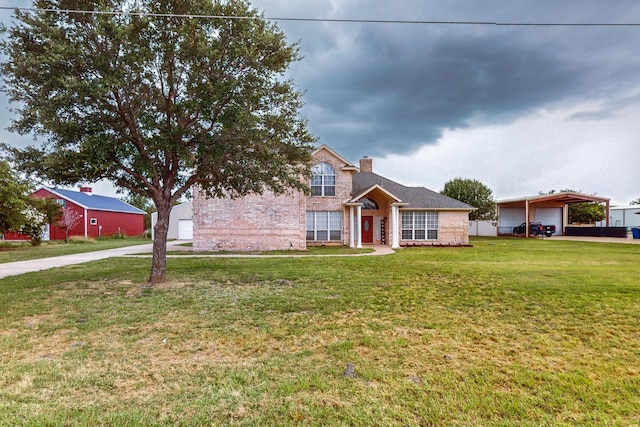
[624, 216]
[180, 222]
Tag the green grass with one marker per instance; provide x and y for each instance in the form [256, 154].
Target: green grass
[22, 251]
[508, 333]
[311, 250]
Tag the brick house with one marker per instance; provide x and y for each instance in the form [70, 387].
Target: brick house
[348, 205]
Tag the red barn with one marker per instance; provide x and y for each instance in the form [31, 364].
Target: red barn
[100, 215]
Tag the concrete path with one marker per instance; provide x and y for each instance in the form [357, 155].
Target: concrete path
[21, 267]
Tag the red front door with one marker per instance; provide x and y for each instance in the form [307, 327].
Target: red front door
[367, 229]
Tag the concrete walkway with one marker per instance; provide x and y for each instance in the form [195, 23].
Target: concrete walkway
[21, 267]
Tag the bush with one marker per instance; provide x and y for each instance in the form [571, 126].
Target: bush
[81, 239]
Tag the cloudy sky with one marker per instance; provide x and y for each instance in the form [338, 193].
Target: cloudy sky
[523, 109]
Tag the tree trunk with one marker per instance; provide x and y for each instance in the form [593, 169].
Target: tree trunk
[159, 260]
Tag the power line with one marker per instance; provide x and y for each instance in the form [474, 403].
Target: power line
[336, 20]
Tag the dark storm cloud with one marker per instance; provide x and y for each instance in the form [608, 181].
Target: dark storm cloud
[394, 96]
[377, 89]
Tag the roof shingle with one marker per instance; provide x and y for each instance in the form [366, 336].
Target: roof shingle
[416, 197]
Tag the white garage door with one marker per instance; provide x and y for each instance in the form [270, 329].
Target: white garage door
[550, 216]
[185, 229]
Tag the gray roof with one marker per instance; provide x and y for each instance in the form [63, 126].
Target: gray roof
[416, 197]
[95, 202]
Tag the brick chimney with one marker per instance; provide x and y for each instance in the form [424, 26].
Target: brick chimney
[86, 190]
[366, 164]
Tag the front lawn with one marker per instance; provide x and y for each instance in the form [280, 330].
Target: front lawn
[510, 332]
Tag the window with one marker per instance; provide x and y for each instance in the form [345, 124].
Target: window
[324, 226]
[61, 202]
[419, 225]
[369, 204]
[323, 182]
[93, 221]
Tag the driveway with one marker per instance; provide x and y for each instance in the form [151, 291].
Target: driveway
[20, 267]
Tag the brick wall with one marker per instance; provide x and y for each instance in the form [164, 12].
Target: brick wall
[454, 228]
[250, 223]
[343, 192]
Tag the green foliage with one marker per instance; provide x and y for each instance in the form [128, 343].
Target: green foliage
[474, 193]
[144, 203]
[18, 211]
[635, 202]
[586, 212]
[13, 199]
[157, 101]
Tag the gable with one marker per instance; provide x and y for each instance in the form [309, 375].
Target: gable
[326, 154]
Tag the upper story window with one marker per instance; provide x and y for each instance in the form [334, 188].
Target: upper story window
[323, 181]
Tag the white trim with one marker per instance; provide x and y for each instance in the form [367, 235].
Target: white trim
[347, 163]
[351, 228]
[86, 222]
[395, 241]
[359, 226]
[373, 187]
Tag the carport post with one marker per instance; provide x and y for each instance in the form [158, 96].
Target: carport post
[526, 218]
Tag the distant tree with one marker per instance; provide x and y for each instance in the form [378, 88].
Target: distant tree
[635, 202]
[474, 193]
[143, 203]
[586, 212]
[13, 199]
[157, 96]
[18, 211]
[68, 221]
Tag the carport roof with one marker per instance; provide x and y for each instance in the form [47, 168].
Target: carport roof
[564, 197]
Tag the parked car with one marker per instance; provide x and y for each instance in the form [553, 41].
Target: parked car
[535, 229]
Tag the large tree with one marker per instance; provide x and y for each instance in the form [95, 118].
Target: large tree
[475, 193]
[157, 96]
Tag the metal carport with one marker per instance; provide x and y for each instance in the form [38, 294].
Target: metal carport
[554, 200]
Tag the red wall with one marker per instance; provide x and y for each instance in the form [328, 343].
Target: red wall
[114, 222]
